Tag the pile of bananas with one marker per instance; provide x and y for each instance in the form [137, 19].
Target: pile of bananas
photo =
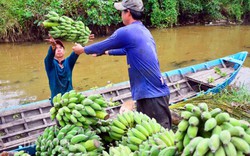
[21, 153]
[141, 133]
[69, 140]
[130, 133]
[75, 108]
[66, 28]
[204, 132]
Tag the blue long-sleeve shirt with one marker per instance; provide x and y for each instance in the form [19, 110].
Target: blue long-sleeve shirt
[136, 42]
[60, 79]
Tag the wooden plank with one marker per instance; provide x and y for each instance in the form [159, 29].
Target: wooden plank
[202, 76]
[177, 82]
[28, 130]
[207, 73]
[27, 119]
[113, 107]
[178, 99]
[25, 108]
[123, 96]
[219, 81]
[41, 112]
[180, 87]
[1, 144]
[198, 74]
[118, 94]
[21, 141]
[215, 75]
[210, 72]
[25, 124]
[175, 90]
[6, 131]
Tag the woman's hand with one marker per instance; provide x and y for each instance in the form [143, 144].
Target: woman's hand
[52, 41]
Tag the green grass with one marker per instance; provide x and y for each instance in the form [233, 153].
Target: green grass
[234, 96]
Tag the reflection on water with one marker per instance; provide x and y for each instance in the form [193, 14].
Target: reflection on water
[182, 63]
[23, 77]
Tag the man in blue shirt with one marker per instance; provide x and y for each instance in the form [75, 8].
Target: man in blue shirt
[134, 40]
[58, 69]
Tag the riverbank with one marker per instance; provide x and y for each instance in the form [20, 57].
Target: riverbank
[242, 78]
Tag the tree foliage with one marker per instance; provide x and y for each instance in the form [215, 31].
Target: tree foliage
[20, 17]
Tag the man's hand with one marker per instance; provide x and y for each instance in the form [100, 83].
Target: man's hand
[78, 49]
[107, 52]
[97, 55]
[91, 37]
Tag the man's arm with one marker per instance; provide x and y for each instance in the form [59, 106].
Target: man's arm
[116, 41]
[116, 52]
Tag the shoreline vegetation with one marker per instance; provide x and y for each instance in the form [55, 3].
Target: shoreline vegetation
[20, 21]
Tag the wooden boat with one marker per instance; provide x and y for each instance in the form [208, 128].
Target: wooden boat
[21, 125]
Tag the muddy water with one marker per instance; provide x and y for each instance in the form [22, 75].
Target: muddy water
[23, 78]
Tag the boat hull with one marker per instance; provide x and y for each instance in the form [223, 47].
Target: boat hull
[184, 83]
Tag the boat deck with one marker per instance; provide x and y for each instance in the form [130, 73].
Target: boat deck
[202, 77]
[22, 126]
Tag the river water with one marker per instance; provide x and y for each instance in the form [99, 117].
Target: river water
[23, 77]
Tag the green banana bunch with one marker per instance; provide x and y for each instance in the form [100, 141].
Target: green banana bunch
[66, 28]
[139, 132]
[47, 141]
[68, 140]
[75, 108]
[204, 132]
[121, 124]
[156, 143]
